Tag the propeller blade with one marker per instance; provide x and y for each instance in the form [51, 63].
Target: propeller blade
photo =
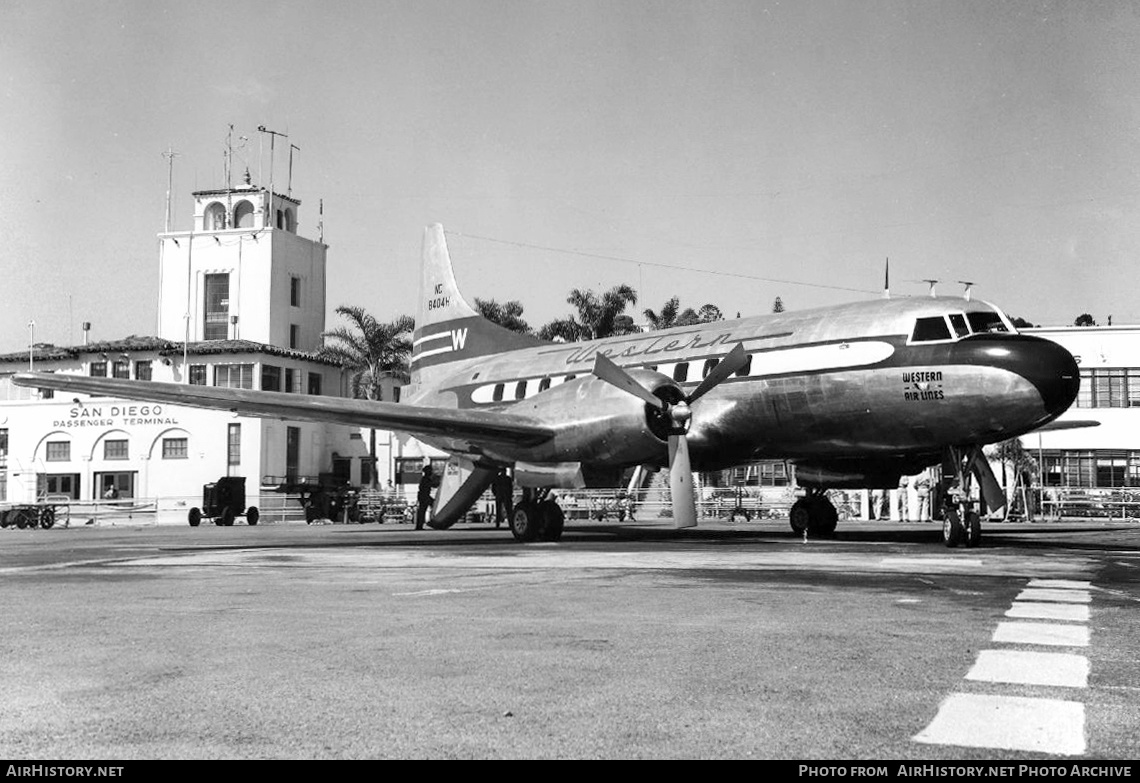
[616, 376]
[681, 483]
[735, 359]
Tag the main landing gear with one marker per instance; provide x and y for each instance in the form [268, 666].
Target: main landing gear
[813, 514]
[537, 517]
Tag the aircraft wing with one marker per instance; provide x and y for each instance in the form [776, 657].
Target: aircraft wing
[479, 426]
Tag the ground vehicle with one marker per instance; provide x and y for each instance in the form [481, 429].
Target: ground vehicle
[223, 501]
[28, 515]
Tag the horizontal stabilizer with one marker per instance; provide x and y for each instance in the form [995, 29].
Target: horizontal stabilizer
[1071, 424]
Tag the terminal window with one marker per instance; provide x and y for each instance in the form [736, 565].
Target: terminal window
[116, 449]
[175, 448]
[270, 378]
[121, 370]
[295, 291]
[98, 369]
[234, 376]
[143, 371]
[314, 383]
[233, 444]
[58, 451]
[198, 374]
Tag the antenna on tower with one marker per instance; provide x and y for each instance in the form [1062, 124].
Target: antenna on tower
[291, 148]
[969, 289]
[272, 139]
[931, 283]
[887, 279]
[170, 155]
[321, 222]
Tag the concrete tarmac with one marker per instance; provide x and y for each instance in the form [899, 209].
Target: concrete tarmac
[634, 641]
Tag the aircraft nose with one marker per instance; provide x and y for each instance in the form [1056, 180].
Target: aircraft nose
[1048, 366]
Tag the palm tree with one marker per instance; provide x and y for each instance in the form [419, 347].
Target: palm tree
[373, 352]
[507, 314]
[598, 316]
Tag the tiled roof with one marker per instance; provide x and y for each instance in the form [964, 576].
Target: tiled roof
[44, 352]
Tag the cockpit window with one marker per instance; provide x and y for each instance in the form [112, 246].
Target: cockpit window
[958, 321]
[928, 329]
[983, 323]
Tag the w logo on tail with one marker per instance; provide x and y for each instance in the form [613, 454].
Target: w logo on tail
[458, 339]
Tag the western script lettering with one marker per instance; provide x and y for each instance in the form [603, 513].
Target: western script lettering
[649, 348]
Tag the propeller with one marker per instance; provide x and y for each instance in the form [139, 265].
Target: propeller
[676, 414]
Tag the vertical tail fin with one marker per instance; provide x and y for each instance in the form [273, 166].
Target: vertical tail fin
[448, 329]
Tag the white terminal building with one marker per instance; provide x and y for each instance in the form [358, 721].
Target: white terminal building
[241, 304]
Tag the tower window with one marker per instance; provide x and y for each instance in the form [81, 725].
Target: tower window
[243, 215]
[217, 307]
[294, 336]
[215, 217]
[295, 291]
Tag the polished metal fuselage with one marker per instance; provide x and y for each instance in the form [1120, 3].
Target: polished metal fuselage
[841, 383]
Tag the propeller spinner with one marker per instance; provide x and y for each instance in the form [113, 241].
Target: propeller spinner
[676, 414]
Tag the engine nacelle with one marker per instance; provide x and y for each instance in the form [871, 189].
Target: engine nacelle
[602, 425]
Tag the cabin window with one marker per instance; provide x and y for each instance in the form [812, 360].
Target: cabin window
[520, 390]
[497, 394]
[929, 329]
[746, 369]
[570, 378]
[681, 372]
[709, 365]
[543, 385]
[958, 321]
[983, 323]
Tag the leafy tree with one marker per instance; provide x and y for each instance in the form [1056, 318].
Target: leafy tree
[672, 315]
[1084, 319]
[507, 314]
[598, 316]
[372, 351]
[709, 313]
[1021, 323]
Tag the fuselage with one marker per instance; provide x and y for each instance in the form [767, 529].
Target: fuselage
[885, 379]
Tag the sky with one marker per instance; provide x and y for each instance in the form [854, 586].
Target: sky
[723, 152]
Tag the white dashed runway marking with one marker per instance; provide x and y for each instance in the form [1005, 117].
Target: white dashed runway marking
[1031, 668]
[1028, 610]
[1049, 614]
[1052, 634]
[1010, 723]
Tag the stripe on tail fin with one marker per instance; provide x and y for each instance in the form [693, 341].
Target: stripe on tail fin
[448, 329]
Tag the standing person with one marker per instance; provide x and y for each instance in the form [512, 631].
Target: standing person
[503, 488]
[922, 489]
[423, 497]
[877, 497]
[904, 499]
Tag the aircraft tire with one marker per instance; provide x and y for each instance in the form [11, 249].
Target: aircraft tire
[4, 518]
[525, 522]
[952, 530]
[252, 515]
[195, 516]
[800, 516]
[47, 517]
[973, 530]
[227, 517]
[553, 520]
[22, 518]
[825, 517]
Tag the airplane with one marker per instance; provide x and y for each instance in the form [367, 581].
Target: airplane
[855, 396]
